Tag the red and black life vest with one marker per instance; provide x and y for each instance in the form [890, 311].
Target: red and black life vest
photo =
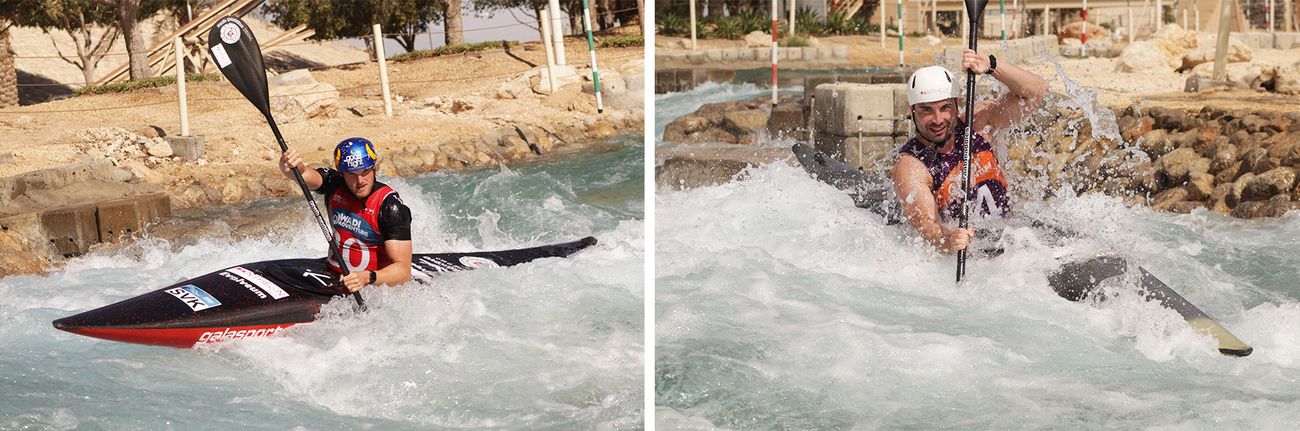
[357, 223]
[989, 192]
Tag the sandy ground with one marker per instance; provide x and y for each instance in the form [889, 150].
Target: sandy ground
[43, 73]
[239, 142]
[1113, 89]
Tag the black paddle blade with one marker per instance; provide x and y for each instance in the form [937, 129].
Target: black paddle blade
[237, 54]
[975, 11]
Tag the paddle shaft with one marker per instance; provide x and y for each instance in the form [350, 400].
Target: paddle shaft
[333, 239]
[975, 15]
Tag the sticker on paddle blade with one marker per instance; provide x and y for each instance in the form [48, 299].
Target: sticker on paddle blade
[219, 53]
[477, 262]
[230, 33]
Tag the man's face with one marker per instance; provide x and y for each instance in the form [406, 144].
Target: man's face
[935, 120]
[360, 183]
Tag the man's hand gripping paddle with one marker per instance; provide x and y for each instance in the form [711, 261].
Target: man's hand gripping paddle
[237, 54]
[974, 16]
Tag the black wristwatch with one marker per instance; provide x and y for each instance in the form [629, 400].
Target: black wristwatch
[373, 276]
[993, 64]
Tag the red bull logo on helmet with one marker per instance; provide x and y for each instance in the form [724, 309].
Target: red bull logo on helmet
[354, 155]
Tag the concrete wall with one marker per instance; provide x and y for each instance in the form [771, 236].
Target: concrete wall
[861, 124]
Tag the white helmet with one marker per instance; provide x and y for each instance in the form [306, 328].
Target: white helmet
[930, 84]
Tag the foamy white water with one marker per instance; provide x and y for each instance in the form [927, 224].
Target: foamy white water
[780, 305]
[552, 344]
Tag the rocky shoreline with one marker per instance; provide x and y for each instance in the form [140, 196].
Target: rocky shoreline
[112, 173]
[1235, 162]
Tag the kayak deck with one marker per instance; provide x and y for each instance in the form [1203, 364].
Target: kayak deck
[1074, 281]
[261, 298]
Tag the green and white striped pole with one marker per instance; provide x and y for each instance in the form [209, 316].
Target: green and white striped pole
[1002, 17]
[591, 49]
[900, 34]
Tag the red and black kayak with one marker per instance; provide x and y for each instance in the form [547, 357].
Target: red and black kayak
[259, 299]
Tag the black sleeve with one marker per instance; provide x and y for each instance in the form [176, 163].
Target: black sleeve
[394, 219]
[330, 180]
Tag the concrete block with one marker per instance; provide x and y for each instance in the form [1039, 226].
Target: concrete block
[697, 57]
[875, 154]
[666, 81]
[186, 147]
[1286, 40]
[71, 230]
[810, 53]
[793, 54]
[840, 51]
[719, 76]
[730, 55]
[123, 217]
[786, 120]
[763, 54]
[847, 109]
[745, 54]
[826, 53]
[687, 166]
[901, 108]
[713, 54]
[832, 145]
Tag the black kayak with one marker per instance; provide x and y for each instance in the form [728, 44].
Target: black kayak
[261, 298]
[1075, 281]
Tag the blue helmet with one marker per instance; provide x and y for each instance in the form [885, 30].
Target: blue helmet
[354, 155]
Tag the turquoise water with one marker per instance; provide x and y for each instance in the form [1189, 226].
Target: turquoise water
[553, 344]
[780, 305]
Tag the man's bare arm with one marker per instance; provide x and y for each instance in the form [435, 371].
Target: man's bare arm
[912, 185]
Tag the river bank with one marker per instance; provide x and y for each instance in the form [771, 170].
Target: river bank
[450, 112]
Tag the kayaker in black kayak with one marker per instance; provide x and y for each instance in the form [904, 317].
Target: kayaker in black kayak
[927, 175]
[373, 224]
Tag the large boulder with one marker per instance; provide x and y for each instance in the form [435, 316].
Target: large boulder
[1288, 79]
[746, 125]
[1264, 186]
[1149, 56]
[1207, 46]
[297, 102]
[1252, 75]
[758, 39]
[1074, 30]
[1180, 164]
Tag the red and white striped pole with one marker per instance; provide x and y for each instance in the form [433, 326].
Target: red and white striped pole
[774, 24]
[1015, 18]
[1083, 48]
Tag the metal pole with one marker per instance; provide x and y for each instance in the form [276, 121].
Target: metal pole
[882, 25]
[1083, 47]
[545, 19]
[693, 45]
[1015, 19]
[900, 34]
[1269, 5]
[1197, 17]
[383, 70]
[1132, 26]
[1221, 50]
[791, 17]
[1002, 17]
[961, 24]
[557, 32]
[934, 17]
[179, 45]
[1160, 15]
[774, 24]
[591, 49]
[1047, 18]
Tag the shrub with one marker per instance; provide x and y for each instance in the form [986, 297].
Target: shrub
[448, 50]
[621, 41]
[157, 81]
